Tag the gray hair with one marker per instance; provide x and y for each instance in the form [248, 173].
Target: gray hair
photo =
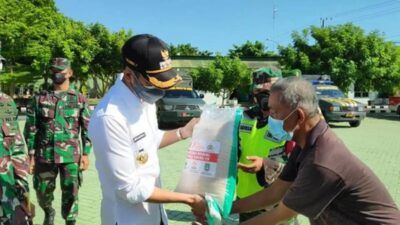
[297, 92]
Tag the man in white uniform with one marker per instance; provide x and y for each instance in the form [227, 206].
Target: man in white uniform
[126, 138]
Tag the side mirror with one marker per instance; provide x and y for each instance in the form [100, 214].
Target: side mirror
[201, 95]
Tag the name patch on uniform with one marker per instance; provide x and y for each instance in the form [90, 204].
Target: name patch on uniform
[268, 136]
[139, 137]
[245, 128]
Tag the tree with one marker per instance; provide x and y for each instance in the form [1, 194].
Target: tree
[222, 76]
[207, 78]
[108, 60]
[347, 54]
[187, 50]
[26, 28]
[34, 32]
[250, 49]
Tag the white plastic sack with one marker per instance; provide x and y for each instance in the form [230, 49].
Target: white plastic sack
[211, 162]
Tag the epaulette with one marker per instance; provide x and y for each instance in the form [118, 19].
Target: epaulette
[253, 113]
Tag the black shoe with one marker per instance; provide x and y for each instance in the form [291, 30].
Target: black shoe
[49, 216]
[69, 222]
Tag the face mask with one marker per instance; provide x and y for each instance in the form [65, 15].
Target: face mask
[58, 78]
[148, 94]
[276, 128]
[262, 100]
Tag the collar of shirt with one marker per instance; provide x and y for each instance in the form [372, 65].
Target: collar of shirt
[314, 134]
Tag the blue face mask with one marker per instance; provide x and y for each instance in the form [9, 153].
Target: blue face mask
[148, 94]
[276, 128]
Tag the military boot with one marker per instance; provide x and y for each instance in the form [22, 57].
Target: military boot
[49, 216]
[69, 222]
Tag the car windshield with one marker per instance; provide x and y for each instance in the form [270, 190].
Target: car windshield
[180, 94]
[332, 93]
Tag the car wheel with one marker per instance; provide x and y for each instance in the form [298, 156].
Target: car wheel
[398, 110]
[355, 123]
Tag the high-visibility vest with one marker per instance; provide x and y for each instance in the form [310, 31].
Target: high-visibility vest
[253, 142]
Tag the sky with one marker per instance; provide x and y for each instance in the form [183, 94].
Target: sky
[217, 25]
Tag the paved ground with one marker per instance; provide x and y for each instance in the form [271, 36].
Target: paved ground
[376, 142]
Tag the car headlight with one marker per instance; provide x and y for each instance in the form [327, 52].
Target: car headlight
[168, 107]
[361, 108]
[334, 108]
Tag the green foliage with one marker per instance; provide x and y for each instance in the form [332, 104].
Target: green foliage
[108, 60]
[250, 49]
[187, 50]
[33, 32]
[223, 74]
[347, 54]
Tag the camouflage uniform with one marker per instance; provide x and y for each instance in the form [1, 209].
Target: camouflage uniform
[56, 134]
[13, 161]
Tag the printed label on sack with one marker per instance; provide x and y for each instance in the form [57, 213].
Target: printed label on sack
[202, 158]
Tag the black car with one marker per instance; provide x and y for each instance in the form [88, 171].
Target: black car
[178, 107]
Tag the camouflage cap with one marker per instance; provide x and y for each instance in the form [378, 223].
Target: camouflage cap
[60, 63]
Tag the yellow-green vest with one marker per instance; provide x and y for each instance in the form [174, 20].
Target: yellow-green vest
[253, 142]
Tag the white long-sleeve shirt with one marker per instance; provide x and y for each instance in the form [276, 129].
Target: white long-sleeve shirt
[122, 128]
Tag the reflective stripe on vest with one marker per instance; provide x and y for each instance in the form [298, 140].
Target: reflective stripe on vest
[253, 142]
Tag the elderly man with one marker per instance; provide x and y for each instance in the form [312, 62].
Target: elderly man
[261, 156]
[322, 180]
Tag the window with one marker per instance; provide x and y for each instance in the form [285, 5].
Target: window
[330, 93]
[180, 94]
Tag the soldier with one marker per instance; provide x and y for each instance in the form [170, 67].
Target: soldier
[13, 163]
[57, 122]
[261, 154]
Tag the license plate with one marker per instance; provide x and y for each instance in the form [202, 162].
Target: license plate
[185, 114]
[349, 115]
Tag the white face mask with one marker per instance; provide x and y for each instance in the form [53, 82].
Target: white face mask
[276, 128]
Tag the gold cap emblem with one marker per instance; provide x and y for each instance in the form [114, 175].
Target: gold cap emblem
[165, 54]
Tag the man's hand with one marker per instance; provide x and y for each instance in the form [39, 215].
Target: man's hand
[255, 165]
[31, 164]
[199, 207]
[187, 130]
[272, 170]
[84, 165]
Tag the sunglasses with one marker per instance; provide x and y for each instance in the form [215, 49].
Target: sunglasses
[261, 78]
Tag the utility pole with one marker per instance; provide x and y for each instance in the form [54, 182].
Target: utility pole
[323, 20]
[274, 11]
[2, 59]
